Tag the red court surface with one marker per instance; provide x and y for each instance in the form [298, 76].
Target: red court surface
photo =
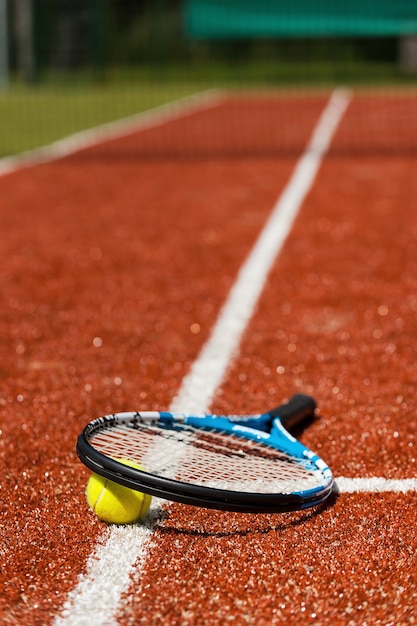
[113, 274]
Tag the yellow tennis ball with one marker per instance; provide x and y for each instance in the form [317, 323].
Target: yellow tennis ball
[115, 503]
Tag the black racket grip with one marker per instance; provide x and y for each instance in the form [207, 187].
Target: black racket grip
[298, 408]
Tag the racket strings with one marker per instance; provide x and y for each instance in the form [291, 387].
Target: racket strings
[231, 462]
[207, 458]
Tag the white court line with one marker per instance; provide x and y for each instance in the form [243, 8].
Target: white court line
[112, 130]
[206, 374]
[90, 603]
[375, 485]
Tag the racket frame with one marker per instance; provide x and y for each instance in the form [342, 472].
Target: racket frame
[210, 497]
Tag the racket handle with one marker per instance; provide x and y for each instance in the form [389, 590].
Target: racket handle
[298, 408]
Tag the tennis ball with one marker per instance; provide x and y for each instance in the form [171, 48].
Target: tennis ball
[115, 503]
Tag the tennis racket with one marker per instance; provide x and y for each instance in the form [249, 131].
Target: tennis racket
[237, 463]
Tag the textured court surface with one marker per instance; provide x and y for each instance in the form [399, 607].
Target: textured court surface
[114, 271]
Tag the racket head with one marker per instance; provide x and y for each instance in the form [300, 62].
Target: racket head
[209, 461]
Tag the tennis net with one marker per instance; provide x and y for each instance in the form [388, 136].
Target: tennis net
[263, 70]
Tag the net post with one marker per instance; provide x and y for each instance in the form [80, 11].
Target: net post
[4, 45]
